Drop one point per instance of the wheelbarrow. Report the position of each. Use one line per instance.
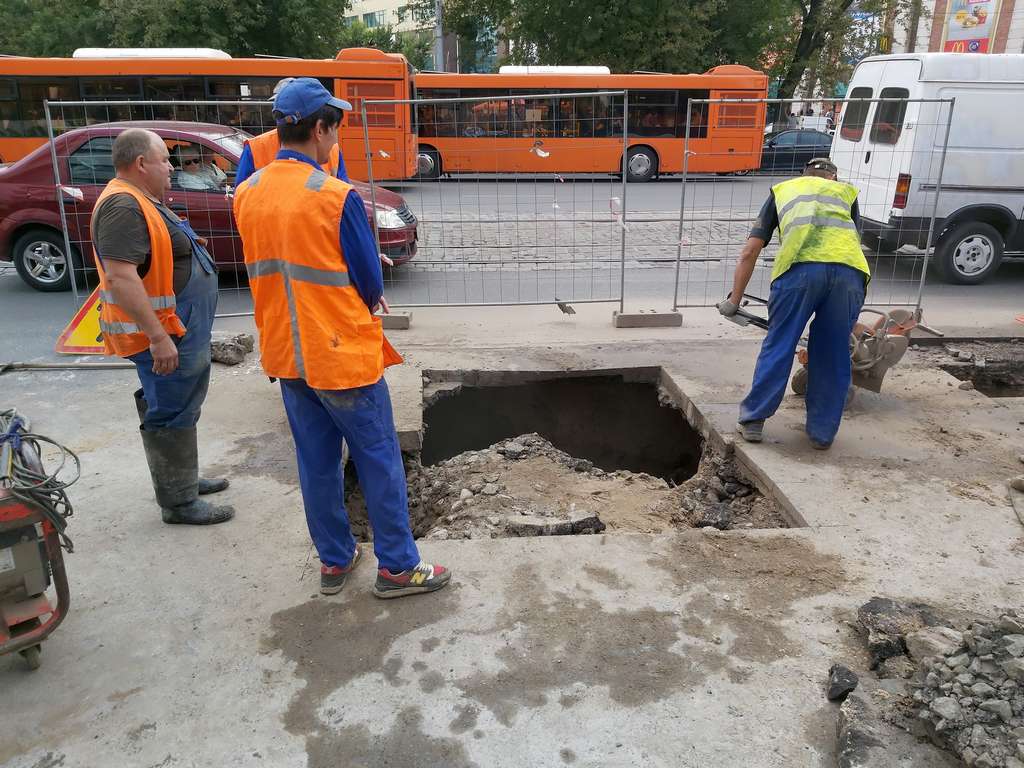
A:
(874, 347)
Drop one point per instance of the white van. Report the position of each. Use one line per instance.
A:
(891, 151)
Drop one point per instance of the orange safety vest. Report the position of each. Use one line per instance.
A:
(121, 334)
(265, 147)
(312, 321)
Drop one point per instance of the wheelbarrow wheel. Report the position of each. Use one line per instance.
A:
(799, 382)
(31, 656)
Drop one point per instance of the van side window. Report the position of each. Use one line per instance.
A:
(855, 116)
(888, 123)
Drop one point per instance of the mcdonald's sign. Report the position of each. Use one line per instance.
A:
(970, 25)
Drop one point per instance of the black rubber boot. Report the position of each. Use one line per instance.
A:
(173, 458)
(206, 485)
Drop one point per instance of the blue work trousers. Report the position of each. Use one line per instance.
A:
(176, 399)
(319, 420)
(834, 295)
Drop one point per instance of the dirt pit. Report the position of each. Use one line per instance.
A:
(995, 368)
(509, 453)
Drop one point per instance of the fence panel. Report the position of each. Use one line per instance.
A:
(518, 201)
(891, 149)
(204, 140)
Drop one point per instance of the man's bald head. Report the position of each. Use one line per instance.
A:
(141, 158)
(133, 144)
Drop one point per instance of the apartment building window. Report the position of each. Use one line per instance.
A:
(375, 19)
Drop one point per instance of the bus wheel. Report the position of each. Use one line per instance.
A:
(428, 163)
(641, 164)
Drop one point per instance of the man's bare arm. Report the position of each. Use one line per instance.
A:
(745, 268)
(130, 294)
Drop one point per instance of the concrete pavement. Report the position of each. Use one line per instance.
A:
(193, 647)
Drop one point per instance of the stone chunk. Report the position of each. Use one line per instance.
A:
(899, 667)
(947, 708)
(717, 515)
(998, 707)
(933, 641)
(841, 681)
(528, 525)
(1014, 668)
(887, 621)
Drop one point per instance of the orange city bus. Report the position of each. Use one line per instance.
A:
(208, 75)
(504, 132)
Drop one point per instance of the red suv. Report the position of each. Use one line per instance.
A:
(30, 222)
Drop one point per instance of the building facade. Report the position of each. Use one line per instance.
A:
(962, 26)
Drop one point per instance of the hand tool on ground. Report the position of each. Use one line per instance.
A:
(34, 508)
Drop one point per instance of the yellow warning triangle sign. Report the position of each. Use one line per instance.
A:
(83, 335)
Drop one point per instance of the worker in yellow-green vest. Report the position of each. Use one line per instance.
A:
(819, 271)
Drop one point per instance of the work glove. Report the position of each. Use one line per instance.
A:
(727, 308)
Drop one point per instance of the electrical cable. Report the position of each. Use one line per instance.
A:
(23, 474)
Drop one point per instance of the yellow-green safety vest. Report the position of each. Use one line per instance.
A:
(816, 224)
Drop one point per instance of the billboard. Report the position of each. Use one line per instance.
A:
(970, 26)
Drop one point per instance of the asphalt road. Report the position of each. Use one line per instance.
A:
(537, 253)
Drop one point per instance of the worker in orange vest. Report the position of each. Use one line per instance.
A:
(260, 151)
(316, 280)
(158, 292)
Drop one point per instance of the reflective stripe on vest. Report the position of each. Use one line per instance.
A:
(313, 324)
(816, 224)
(156, 302)
(115, 327)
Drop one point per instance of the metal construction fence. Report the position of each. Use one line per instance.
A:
(512, 208)
(521, 199)
(891, 149)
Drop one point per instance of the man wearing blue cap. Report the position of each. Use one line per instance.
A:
(316, 281)
(261, 150)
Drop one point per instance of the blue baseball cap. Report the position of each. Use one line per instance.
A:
(303, 97)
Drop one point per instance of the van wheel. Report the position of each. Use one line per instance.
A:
(428, 163)
(641, 164)
(969, 253)
(40, 258)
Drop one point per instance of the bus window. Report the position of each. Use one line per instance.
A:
(174, 89)
(485, 117)
(652, 113)
(737, 115)
(698, 114)
(888, 123)
(855, 116)
(437, 119)
(111, 89)
(532, 117)
(8, 107)
(31, 115)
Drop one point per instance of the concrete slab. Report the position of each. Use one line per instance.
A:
(199, 647)
(396, 321)
(649, 319)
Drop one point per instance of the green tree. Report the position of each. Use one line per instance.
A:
(415, 45)
(53, 28)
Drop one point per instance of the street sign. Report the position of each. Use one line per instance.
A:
(83, 335)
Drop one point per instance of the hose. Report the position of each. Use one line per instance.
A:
(22, 472)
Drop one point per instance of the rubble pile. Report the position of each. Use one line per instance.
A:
(972, 692)
(960, 689)
(525, 486)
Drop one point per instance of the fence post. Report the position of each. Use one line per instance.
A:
(935, 207)
(59, 191)
(369, 173)
(682, 204)
(625, 182)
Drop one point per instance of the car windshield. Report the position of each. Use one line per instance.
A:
(233, 143)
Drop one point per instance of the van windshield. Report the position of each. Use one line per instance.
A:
(888, 123)
(855, 115)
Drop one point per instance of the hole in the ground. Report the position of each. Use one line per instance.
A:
(614, 421)
(513, 453)
(996, 378)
